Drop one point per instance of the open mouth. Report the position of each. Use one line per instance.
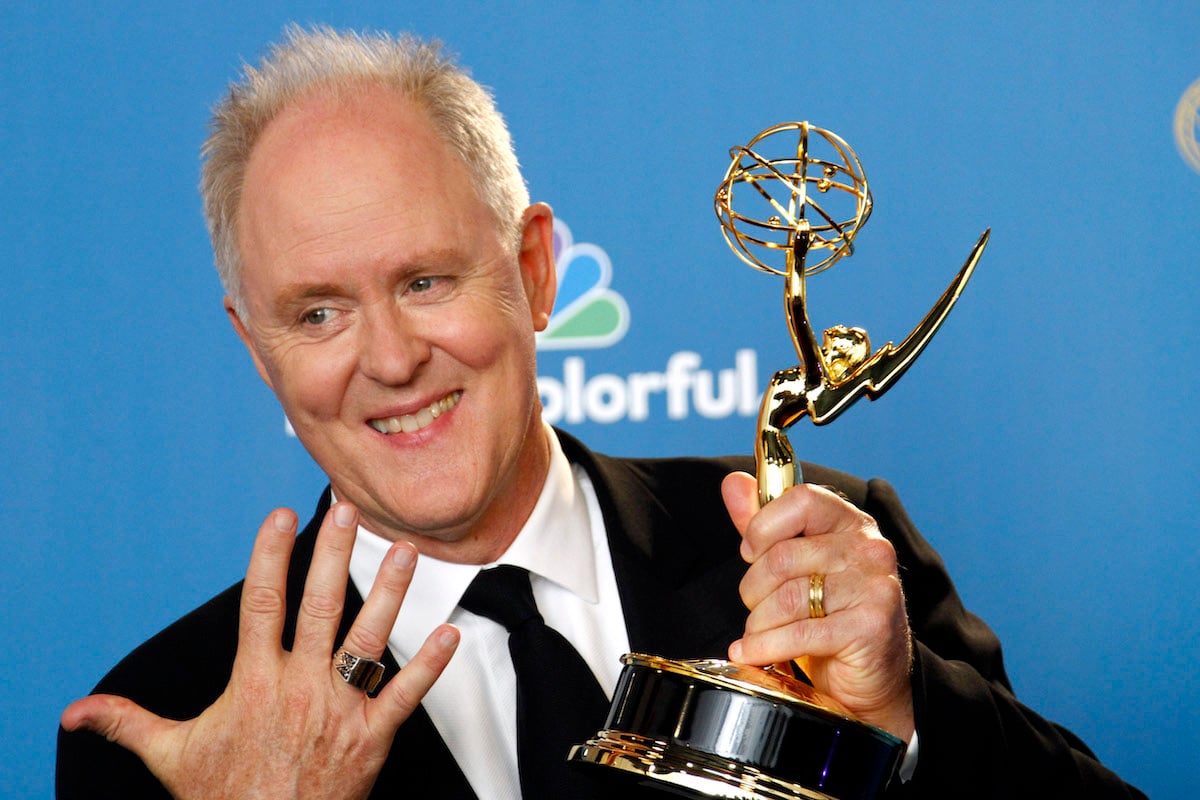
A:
(410, 423)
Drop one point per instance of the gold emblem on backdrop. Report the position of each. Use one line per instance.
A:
(1187, 126)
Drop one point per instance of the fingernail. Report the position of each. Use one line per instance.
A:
(403, 557)
(343, 515)
(735, 651)
(283, 521)
(448, 637)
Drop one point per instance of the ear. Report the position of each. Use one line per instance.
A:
(240, 328)
(536, 259)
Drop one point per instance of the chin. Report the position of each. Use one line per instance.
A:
(433, 526)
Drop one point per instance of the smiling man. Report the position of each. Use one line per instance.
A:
(387, 274)
(393, 313)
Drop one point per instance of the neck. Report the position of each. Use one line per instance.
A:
(485, 538)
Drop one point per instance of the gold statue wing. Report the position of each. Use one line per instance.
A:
(885, 366)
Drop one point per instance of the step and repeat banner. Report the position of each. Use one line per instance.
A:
(1045, 441)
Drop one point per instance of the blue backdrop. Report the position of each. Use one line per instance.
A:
(1045, 441)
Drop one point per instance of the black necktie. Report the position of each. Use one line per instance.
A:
(559, 701)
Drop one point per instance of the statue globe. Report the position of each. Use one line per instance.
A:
(791, 176)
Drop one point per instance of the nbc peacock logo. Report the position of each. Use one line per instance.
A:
(587, 313)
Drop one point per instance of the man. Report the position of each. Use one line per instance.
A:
(387, 273)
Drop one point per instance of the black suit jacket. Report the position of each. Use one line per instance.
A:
(675, 555)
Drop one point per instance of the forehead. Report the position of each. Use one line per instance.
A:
(353, 178)
(327, 142)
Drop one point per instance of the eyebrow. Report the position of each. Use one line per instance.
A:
(295, 295)
(298, 293)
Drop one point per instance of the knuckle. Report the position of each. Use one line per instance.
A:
(878, 554)
(113, 728)
(779, 561)
(365, 642)
(263, 600)
(408, 696)
(792, 597)
(811, 636)
(885, 606)
(882, 590)
(404, 696)
(321, 606)
(389, 579)
(746, 589)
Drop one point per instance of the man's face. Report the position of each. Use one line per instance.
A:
(394, 319)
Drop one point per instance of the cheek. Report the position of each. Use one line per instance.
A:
(311, 384)
(490, 335)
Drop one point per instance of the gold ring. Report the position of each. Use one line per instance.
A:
(816, 595)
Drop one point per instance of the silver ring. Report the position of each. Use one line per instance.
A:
(359, 672)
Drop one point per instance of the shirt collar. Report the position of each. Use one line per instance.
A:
(555, 543)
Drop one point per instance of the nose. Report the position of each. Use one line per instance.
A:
(392, 347)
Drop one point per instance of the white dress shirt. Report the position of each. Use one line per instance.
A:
(473, 704)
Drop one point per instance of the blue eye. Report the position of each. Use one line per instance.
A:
(421, 285)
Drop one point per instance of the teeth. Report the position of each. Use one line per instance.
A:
(410, 423)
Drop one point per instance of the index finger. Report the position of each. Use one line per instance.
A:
(264, 592)
(803, 510)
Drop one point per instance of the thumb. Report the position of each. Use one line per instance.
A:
(740, 492)
(119, 720)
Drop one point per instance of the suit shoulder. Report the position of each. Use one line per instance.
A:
(181, 670)
(679, 473)
(697, 478)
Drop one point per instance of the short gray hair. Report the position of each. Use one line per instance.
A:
(462, 111)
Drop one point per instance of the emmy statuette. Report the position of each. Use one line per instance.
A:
(714, 728)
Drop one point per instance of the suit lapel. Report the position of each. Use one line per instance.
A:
(677, 567)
